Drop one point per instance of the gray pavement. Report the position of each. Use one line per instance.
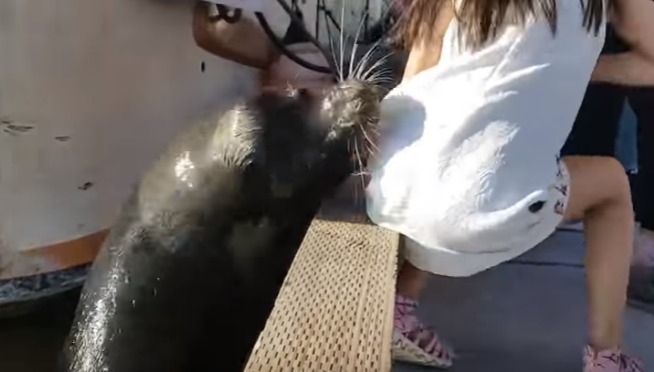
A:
(524, 316)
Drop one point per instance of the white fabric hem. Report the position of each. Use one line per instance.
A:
(447, 262)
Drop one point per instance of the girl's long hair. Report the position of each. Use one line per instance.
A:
(481, 20)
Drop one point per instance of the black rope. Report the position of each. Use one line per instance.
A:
(282, 48)
(296, 32)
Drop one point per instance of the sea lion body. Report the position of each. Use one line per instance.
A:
(189, 274)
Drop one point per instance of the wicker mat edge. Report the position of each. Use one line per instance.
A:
(335, 309)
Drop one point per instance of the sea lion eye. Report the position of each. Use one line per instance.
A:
(303, 94)
(294, 92)
(298, 94)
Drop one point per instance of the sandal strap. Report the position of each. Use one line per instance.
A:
(612, 357)
(427, 339)
(406, 302)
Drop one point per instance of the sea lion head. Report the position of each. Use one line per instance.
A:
(314, 138)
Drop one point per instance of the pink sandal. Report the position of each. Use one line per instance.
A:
(610, 361)
(413, 342)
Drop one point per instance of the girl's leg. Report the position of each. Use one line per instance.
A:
(414, 342)
(411, 281)
(600, 196)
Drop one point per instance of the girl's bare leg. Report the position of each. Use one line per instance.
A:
(411, 281)
(413, 341)
(600, 195)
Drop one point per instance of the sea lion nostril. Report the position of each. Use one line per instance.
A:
(537, 206)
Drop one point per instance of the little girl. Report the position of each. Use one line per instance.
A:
(469, 170)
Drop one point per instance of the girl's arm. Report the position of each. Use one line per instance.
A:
(630, 68)
(633, 21)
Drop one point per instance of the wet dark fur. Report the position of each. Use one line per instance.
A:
(189, 274)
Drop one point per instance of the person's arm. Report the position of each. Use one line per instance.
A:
(630, 68)
(243, 42)
(633, 21)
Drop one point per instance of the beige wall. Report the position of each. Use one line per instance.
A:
(90, 91)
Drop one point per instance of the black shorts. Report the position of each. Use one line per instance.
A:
(596, 128)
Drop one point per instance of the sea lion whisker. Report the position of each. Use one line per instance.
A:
(374, 131)
(364, 60)
(362, 170)
(362, 68)
(385, 73)
(381, 84)
(358, 157)
(379, 80)
(371, 152)
(332, 48)
(356, 44)
(375, 66)
(378, 62)
(374, 121)
(368, 139)
(342, 36)
(383, 79)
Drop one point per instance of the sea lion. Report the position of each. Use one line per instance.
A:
(189, 273)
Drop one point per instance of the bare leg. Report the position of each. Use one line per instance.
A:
(411, 281)
(413, 341)
(600, 196)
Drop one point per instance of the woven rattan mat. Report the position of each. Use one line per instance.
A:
(335, 309)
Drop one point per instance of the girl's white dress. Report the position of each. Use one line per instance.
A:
(468, 168)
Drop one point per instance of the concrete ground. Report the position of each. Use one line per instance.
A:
(525, 316)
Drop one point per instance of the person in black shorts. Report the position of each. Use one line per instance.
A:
(641, 289)
(594, 133)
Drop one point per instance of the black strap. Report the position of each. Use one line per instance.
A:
(296, 32)
(227, 14)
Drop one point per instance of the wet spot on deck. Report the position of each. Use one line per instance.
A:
(62, 138)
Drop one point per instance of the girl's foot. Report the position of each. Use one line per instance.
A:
(610, 361)
(413, 342)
